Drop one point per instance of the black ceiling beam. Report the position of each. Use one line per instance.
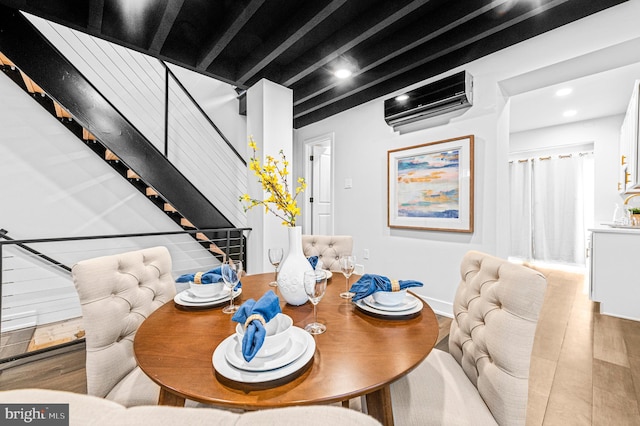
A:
(16, 4)
(349, 37)
(514, 31)
(447, 19)
(304, 21)
(376, 33)
(220, 41)
(414, 59)
(94, 20)
(61, 18)
(169, 16)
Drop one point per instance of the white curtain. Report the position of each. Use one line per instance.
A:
(551, 208)
(520, 209)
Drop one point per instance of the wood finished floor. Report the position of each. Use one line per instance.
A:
(585, 367)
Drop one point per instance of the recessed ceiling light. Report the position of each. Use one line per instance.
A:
(401, 98)
(570, 113)
(342, 73)
(564, 91)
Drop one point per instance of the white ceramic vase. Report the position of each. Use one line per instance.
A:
(292, 270)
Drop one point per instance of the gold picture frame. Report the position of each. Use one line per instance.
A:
(430, 186)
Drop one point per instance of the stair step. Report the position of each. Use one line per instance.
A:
(150, 192)
(110, 156)
(132, 175)
(32, 87)
(201, 236)
(5, 61)
(87, 136)
(61, 112)
(169, 208)
(215, 249)
(186, 223)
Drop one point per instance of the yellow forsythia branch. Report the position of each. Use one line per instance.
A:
(273, 176)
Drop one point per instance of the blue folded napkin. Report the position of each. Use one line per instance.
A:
(370, 283)
(268, 306)
(313, 260)
(212, 276)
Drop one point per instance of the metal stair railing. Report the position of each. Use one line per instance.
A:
(234, 238)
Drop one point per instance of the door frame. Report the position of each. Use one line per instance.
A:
(309, 143)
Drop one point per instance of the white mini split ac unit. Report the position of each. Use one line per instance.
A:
(430, 105)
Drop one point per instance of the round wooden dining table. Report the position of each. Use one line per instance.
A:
(359, 354)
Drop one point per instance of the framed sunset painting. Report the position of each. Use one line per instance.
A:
(430, 186)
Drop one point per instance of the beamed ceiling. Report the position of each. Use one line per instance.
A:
(298, 43)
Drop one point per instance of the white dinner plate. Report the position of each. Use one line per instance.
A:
(408, 302)
(379, 312)
(188, 296)
(225, 369)
(293, 350)
(179, 300)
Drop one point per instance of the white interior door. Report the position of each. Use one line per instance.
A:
(319, 202)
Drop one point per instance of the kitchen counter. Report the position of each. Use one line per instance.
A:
(616, 229)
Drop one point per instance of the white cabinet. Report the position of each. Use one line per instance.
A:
(615, 271)
(629, 176)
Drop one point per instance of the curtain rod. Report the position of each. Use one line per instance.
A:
(561, 156)
(579, 146)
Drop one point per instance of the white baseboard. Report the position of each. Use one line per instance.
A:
(440, 307)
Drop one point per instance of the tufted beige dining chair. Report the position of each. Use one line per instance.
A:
(483, 380)
(117, 293)
(328, 248)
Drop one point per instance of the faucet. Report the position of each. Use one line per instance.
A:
(633, 218)
(626, 200)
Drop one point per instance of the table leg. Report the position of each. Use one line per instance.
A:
(379, 405)
(168, 398)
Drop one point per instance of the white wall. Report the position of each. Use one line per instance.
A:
(52, 185)
(219, 101)
(269, 122)
(362, 140)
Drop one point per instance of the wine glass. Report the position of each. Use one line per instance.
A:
(231, 272)
(315, 284)
(275, 257)
(347, 265)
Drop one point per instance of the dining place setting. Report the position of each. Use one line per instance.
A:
(266, 346)
(382, 297)
(378, 295)
(212, 288)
